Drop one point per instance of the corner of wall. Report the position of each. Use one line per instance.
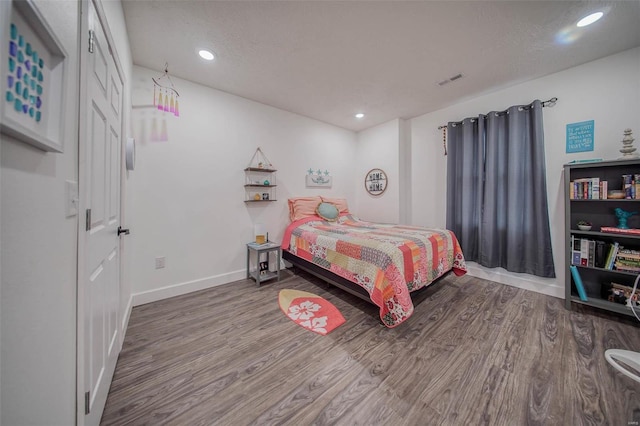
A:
(404, 138)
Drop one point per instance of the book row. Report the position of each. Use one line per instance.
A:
(600, 254)
(593, 188)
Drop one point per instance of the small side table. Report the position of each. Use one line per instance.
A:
(259, 275)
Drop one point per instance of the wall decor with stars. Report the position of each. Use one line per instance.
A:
(318, 178)
(33, 69)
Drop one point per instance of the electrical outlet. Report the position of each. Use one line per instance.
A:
(160, 262)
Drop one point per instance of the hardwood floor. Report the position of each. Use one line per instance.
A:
(474, 352)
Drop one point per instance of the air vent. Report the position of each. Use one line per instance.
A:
(450, 79)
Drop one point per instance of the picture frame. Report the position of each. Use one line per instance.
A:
(34, 76)
(319, 181)
(375, 182)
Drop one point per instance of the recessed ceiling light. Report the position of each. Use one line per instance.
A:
(588, 20)
(359, 115)
(206, 54)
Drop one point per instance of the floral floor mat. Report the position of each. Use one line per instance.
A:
(310, 311)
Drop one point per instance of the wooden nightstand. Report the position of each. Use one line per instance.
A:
(261, 273)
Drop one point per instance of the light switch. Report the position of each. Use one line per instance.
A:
(71, 192)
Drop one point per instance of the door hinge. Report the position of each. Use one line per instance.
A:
(86, 403)
(91, 40)
(88, 220)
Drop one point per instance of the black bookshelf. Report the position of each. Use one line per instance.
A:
(600, 213)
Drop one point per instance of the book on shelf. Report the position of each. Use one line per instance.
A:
(577, 280)
(584, 252)
(591, 253)
(575, 250)
(613, 252)
(604, 189)
(614, 230)
(601, 254)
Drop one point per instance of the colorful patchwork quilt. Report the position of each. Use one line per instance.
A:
(389, 261)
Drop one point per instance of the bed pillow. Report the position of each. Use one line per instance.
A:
(302, 207)
(328, 211)
(340, 203)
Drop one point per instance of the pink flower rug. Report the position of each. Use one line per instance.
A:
(310, 311)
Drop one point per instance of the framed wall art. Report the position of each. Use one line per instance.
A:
(34, 67)
(375, 182)
(318, 179)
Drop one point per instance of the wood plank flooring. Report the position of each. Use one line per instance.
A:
(473, 353)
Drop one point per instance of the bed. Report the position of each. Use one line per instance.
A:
(386, 262)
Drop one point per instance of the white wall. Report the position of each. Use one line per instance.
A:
(187, 194)
(606, 90)
(38, 257)
(379, 147)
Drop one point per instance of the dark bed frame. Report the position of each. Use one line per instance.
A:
(327, 276)
(339, 281)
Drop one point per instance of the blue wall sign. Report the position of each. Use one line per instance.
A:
(580, 136)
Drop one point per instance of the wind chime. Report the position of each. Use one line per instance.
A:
(165, 96)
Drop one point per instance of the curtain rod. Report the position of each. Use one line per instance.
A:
(550, 102)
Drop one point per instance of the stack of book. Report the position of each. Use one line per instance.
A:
(631, 186)
(620, 293)
(628, 260)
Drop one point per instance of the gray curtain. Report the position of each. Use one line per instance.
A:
(496, 190)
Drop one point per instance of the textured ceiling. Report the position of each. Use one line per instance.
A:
(329, 60)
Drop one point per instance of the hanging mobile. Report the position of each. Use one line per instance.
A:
(167, 99)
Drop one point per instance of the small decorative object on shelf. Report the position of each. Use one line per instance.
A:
(622, 216)
(583, 225)
(628, 150)
(264, 268)
(616, 194)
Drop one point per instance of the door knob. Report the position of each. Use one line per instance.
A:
(122, 230)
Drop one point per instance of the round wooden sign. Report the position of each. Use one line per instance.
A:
(375, 182)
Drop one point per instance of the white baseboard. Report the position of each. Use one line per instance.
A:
(548, 286)
(186, 287)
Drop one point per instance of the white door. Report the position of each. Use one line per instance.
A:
(100, 139)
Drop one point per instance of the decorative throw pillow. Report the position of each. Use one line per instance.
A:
(302, 207)
(340, 203)
(328, 211)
